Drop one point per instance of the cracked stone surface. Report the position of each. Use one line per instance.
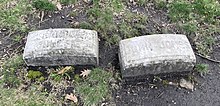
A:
(62, 46)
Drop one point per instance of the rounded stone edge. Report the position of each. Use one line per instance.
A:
(45, 30)
(122, 65)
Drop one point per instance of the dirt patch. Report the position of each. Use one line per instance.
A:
(205, 94)
(150, 92)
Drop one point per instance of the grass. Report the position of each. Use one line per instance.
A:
(44, 5)
(12, 15)
(94, 88)
(10, 68)
(197, 18)
(114, 22)
(202, 69)
(15, 97)
(111, 25)
(142, 2)
(66, 2)
(17, 38)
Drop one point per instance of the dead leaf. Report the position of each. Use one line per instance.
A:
(59, 6)
(71, 97)
(67, 68)
(186, 84)
(85, 73)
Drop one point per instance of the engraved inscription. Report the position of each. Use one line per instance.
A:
(140, 50)
(70, 46)
(155, 54)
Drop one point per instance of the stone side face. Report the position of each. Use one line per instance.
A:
(53, 47)
(155, 54)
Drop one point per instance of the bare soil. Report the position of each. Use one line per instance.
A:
(148, 93)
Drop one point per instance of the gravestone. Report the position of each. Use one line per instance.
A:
(155, 54)
(52, 47)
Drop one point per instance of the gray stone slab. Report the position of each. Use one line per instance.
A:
(155, 54)
(53, 47)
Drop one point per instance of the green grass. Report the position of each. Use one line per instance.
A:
(197, 18)
(161, 4)
(113, 22)
(14, 97)
(12, 17)
(94, 88)
(205, 46)
(102, 18)
(44, 5)
(142, 2)
(17, 38)
(66, 2)
(10, 68)
(202, 69)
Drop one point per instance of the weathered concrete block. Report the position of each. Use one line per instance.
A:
(53, 47)
(155, 54)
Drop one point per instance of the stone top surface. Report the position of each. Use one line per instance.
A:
(62, 39)
(61, 42)
(155, 49)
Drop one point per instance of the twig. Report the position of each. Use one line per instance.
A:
(158, 96)
(42, 16)
(212, 60)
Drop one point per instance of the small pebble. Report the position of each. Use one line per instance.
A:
(88, 1)
(76, 23)
(49, 16)
(62, 17)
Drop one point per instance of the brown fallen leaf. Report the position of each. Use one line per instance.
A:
(67, 68)
(186, 84)
(85, 73)
(71, 97)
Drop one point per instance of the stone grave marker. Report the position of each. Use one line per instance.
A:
(52, 47)
(155, 54)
